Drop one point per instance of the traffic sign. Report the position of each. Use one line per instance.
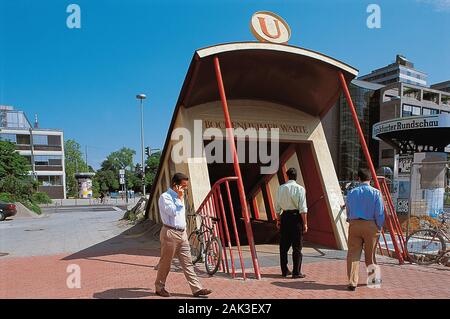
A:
(122, 181)
(121, 172)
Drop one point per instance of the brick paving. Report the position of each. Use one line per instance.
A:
(131, 275)
(117, 261)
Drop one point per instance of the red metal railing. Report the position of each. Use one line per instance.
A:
(392, 223)
(213, 206)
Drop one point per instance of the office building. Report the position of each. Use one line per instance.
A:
(43, 148)
(340, 130)
(401, 71)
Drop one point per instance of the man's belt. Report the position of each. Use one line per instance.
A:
(174, 228)
(292, 211)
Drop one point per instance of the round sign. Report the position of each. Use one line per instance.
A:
(269, 27)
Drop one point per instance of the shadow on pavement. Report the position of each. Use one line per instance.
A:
(139, 240)
(308, 285)
(125, 293)
(136, 293)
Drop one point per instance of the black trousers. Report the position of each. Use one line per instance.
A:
(291, 231)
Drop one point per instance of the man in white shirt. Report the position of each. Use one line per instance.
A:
(174, 240)
(293, 223)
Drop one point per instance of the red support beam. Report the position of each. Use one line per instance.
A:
(224, 221)
(368, 159)
(236, 234)
(270, 200)
(237, 170)
(255, 208)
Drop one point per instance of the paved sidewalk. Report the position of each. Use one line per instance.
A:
(117, 260)
(131, 275)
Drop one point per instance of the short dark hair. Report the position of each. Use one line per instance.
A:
(292, 174)
(178, 178)
(364, 174)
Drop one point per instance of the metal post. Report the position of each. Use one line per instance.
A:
(142, 146)
(367, 154)
(87, 166)
(33, 165)
(237, 170)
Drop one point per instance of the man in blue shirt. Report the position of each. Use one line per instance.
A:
(365, 213)
(174, 240)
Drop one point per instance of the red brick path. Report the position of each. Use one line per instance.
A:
(132, 276)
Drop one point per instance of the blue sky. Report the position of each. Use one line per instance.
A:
(84, 81)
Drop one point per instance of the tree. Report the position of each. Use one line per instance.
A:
(14, 177)
(121, 159)
(11, 162)
(107, 178)
(74, 163)
(151, 168)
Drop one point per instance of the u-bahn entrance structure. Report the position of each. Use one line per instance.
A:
(260, 85)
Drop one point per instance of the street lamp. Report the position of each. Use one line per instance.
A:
(142, 97)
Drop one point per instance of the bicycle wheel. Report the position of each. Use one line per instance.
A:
(213, 255)
(425, 246)
(196, 243)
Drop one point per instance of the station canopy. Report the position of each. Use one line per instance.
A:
(283, 74)
(416, 133)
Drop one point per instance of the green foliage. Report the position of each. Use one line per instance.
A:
(14, 178)
(7, 198)
(41, 198)
(32, 206)
(121, 159)
(15, 183)
(11, 162)
(107, 178)
(152, 165)
(74, 163)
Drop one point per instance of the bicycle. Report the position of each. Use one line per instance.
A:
(205, 245)
(427, 246)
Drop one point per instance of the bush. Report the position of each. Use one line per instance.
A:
(40, 198)
(20, 188)
(30, 205)
(7, 197)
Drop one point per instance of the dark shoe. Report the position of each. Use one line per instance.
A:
(351, 288)
(202, 292)
(163, 293)
(301, 276)
(286, 274)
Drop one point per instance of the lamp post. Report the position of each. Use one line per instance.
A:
(142, 97)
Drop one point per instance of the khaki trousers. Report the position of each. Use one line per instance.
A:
(175, 244)
(361, 234)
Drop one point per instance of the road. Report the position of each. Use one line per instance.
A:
(62, 230)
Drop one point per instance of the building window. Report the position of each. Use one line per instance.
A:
(427, 111)
(13, 119)
(8, 137)
(410, 110)
(50, 180)
(23, 139)
(388, 153)
(44, 160)
(40, 139)
(445, 112)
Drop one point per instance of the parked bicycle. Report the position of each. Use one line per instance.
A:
(428, 245)
(205, 246)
